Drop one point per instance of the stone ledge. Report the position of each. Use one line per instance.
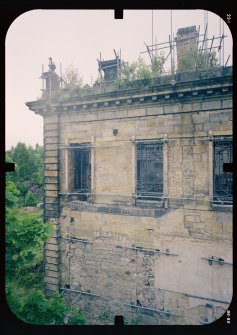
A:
(143, 210)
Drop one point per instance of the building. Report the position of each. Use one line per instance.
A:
(138, 185)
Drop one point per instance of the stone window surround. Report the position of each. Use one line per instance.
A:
(165, 169)
(134, 166)
(211, 157)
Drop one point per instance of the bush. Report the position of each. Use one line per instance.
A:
(30, 199)
(25, 236)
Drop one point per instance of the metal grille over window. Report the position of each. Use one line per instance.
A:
(149, 170)
(222, 181)
(82, 171)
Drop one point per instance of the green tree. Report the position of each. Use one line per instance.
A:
(26, 233)
(72, 78)
(76, 317)
(28, 174)
(137, 70)
(25, 160)
(25, 236)
(191, 59)
(30, 199)
(11, 194)
(157, 65)
(139, 73)
(39, 310)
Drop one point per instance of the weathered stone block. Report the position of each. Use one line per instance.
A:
(198, 149)
(186, 119)
(91, 117)
(77, 118)
(51, 193)
(186, 141)
(52, 267)
(152, 122)
(227, 103)
(50, 119)
(192, 218)
(199, 127)
(51, 214)
(51, 173)
(196, 106)
(224, 217)
(154, 110)
(50, 127)
(105, 115)
(51, 133)
(170, 109)
(50, 153)
(51, 287)
(136, 112)
(51, 187)
(51, 252)
(53, 247)
(187, 108)
(50, 167)
(121, 113)
(210, 105)
(220, 116)
(200, 117)
(49, 200)
(50, 280)
(51, 140)
(51, 274)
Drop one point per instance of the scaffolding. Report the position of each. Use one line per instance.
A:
(202, 43)
(111, 68)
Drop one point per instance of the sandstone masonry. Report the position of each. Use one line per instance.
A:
(162, 261)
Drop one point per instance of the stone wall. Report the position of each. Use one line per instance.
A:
(152, 262)
(190, 229)
(148, 261)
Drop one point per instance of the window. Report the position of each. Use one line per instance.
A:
(149, 156)
(222, 180)
(82, 170)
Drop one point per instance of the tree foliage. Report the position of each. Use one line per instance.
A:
(28, 174)
(11, 195)
(139, 73)
(72, 78)
(25, 236)
(191, 59)
(157, 64)
(26, 233)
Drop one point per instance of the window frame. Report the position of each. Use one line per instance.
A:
(82, 149)
(219, 203)
(156, 196)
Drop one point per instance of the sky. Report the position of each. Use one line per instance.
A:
(77, 37)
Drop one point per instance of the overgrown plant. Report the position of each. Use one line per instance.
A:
(26, 233)
(134, 320)
(105, 315)
(139, 73)
(27, 177)
(193, 58)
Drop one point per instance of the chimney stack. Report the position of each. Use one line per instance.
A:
(186, 39)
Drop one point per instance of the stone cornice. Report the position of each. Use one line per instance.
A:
(166, 91)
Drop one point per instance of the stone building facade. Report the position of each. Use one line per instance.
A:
(138, 189)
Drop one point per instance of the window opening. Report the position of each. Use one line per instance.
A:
(82, 171)
(149, 170)
(222, 179)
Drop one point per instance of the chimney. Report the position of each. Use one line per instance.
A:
(52, 80)
(186, 39)
(111, 69)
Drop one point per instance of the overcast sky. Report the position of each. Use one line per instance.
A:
(77, 37)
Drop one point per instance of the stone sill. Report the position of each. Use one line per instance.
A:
(222, 208)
